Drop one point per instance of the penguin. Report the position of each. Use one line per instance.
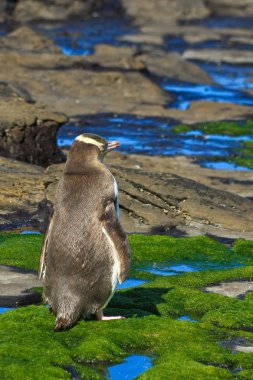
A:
(85, 251)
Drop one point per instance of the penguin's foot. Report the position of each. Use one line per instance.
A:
(99, 316)
(61, 324)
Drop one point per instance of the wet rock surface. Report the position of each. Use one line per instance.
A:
(219, 56)
(22, 195)
(28, 132)
(151, 200)
(76, 69)
(28, 10)
(16, 285)
(238, 344)
(232, 289)
(89, 67)
(25, 39)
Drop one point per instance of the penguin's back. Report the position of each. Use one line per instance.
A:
(81, 260)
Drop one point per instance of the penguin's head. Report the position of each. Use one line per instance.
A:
(97, 141)
(85, 152)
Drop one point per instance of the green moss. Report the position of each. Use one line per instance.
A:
(243, 156)
(20, 250)
(182, 350)
(230, 128)
(244, 248)
(181, 128)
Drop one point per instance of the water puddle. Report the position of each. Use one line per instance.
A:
(223, 22)
(165, 269)
(5, 28)
(4, 309)
(152, 136)
(80, 37)
(238, 344)
(136, 134)
(224, 166)
(30, 232)
(130, 283)
(185, 318)
(233, 77)
(130, 368)
(185, 93)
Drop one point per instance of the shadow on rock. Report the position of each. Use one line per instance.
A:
(137, 302)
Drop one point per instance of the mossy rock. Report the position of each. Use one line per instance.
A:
(180, 350)
(229, 128)
(241, 156)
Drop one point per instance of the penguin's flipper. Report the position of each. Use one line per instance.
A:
(118, 239)
(116, 201)
(43, 255)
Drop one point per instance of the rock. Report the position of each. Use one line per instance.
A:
(16, 285)
(54, 10)
(236, 181)
(14, 90)
(201, 111)
(165, 11)
(198, 35)
(3, 13)
(220, 56)
(172, 65)
(71, 84)
(244, 40)
(157, 63)
(93, 92)
(115, 57)
(142, 38)
(22, 199)
(238, 344)
(229, 8)
(25, 39)
(232, 289)
(167, 203)
(28, 132)
(151, 201)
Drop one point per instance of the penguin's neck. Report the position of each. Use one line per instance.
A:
(83, 159)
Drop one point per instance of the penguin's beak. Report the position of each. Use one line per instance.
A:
(112, 145)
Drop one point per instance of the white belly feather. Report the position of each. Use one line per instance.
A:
(115, 268)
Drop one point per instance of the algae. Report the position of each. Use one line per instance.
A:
(243, 156)
(229, 128)
(181, 349)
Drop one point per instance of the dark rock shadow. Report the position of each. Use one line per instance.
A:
(168, 229)
(137, 302)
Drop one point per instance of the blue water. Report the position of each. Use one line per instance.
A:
(150, 136)
(30, 232)
(3, 309)
(224, 22)
(130, 283)
(80, 37)
(184, 93)
(224, 166)
(232, 77)
(230, 85)
(179, 45)
(165, 269)
(153, 135)
(185, 318)
(130, 368)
